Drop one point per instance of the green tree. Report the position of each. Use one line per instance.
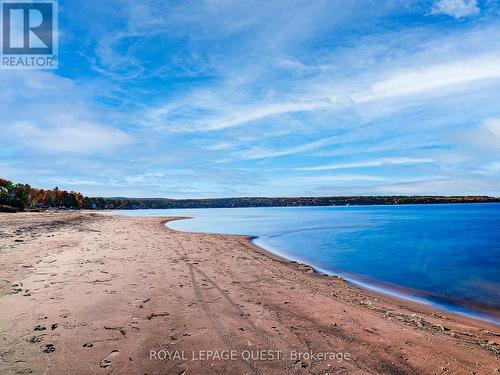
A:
(20, 196)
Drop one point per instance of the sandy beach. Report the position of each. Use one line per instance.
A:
(86, 293)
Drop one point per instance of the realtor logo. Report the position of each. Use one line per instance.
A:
(29, 34)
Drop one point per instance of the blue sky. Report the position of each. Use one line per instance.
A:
(251, 98)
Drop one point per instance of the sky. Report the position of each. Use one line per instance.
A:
(221, 98)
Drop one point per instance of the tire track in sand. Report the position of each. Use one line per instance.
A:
(226, 335)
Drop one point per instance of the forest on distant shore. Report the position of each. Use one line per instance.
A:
(22, 197)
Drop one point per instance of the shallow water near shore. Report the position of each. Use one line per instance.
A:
(446, 256)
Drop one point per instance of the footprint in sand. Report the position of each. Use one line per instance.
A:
(106, 362)
(49, 348)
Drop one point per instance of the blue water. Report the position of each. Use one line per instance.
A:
(447, 256)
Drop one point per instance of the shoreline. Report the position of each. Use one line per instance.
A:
(90, 293)
(420, 298)
(312, 271)
(368, 287)
(469, 309)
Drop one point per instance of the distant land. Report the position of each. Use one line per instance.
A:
(159, 203)
(21, 197)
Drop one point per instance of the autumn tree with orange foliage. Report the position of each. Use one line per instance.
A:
(20, 197)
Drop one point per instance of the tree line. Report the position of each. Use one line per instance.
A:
(19, 197)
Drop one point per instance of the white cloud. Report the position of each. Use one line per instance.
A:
(456, 8)
(484, 138)
(368, 163)
(431, 77)
(260, 153)
(49, 114)
(492, 126)
(220, 146)
(69, 136)
(252, 114)
(328, 179)
(492, 167)
(227, 116)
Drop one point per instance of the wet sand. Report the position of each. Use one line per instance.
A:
(83, 293)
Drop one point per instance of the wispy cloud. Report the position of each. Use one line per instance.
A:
(368, 163)
(434, 77)
(484, 137)
(213, 114)
(230, 118)
(329, 179)
(492, 167)
(456, 8)
(260, 153)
